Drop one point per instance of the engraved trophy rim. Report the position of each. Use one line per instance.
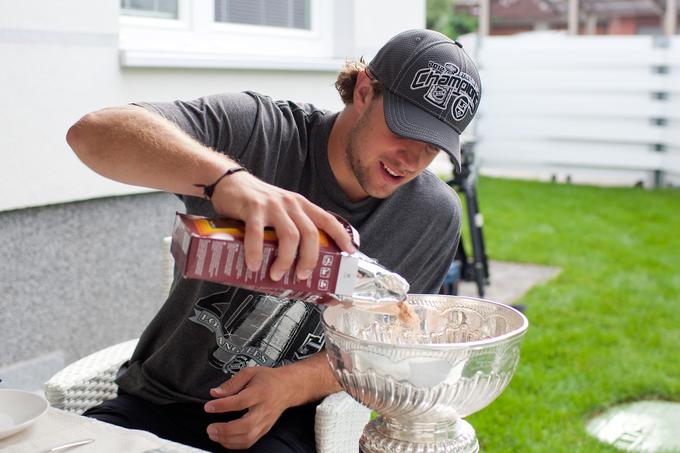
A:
(420, 300)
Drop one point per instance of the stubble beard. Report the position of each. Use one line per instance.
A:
(353, 156)
(353, 151)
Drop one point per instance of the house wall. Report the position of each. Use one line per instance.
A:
(81, 255)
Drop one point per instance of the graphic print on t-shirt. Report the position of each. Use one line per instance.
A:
(254, 329)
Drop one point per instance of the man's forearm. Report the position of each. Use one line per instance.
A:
(131, 145)
(310, 379)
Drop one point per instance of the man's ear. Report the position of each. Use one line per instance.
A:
(363, 91)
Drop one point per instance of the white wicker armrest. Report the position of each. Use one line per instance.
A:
(340, 420)
(88, 381)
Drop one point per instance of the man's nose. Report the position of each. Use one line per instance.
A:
(410, 157)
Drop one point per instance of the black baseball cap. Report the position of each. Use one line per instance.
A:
(432, 88)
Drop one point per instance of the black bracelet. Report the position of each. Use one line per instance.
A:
(209, 189)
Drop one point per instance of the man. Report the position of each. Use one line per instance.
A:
(250, 379)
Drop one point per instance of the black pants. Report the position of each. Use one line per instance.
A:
(186, 423)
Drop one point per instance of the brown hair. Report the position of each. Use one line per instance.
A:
(347, 79)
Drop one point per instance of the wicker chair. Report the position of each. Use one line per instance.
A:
(89, 381)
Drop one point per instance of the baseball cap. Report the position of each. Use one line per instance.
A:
(432, 88)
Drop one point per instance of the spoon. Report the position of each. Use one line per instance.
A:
(70, 445)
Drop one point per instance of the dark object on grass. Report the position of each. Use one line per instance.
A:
(474, 268)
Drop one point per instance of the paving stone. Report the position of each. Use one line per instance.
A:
(510, 281)
(642, 426)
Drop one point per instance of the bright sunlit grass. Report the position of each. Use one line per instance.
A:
(606, 330)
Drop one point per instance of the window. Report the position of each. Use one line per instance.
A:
(159, 9)
(271, 13)
(273, 34)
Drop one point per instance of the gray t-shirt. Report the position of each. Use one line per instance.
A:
(206, 332)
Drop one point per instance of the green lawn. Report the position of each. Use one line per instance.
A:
(606, 330)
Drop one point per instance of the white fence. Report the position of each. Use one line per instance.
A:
(596, 109)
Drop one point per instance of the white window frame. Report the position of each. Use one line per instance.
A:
(181, 22)
(195, 40)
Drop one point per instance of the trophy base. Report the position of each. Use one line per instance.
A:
(388, 436)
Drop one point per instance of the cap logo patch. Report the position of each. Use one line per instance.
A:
(447, 86)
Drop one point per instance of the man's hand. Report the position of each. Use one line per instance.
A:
(261, 392)
(295, 219)
(265, 393)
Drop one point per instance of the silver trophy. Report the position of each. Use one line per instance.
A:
(425, 374)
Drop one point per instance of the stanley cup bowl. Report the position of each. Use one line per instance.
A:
(423, 378)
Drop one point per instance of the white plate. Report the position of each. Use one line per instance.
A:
(18, 410)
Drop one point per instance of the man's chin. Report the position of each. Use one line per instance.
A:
(382, 193)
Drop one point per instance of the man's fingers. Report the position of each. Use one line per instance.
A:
(233, 385)
(239, 402)
(289, 238)
(308, 251)
(230, 435)
(297, 222)
(253, 240)
(332, 226)
(241, 433)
